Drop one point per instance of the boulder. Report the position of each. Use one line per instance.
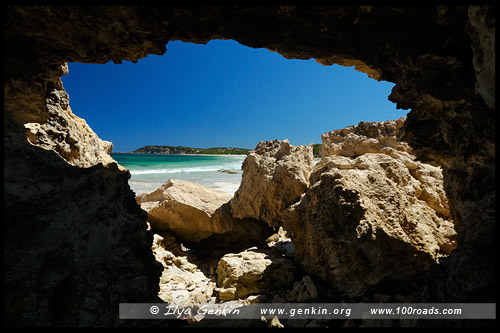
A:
(197, 214)
(184, 208)
(275, 175)
(376, 219)
(253, 271)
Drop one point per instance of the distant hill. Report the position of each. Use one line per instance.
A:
(179, 150)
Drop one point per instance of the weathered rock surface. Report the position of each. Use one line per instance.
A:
(195, 213)
(49, 122)
(182, 283)
(66, 264)
(253, 271)
(275, 175)
(371, 219)
(253, 276)
(185, 208)
(483, 37)
(366, 137)
(68, 134)
(238, 234)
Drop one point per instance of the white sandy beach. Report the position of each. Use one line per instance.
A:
(149, 171)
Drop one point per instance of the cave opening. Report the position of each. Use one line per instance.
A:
(219, 94)
(223, 94)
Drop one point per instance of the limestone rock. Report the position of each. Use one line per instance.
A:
(274, 322)
(75, 142)
(253, 272)
(371, 219)
(184, 208)
(182, 283)
(195, 213)
(366, 137)
(71, 264)
(275, 175)
(57, 128)
(483, 45)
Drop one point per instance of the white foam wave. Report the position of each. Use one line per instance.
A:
(176, 170)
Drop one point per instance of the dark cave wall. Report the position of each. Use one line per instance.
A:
(440, 57)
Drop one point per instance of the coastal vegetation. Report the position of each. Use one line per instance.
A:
(189, 150)
(316, 147)
(215, 151)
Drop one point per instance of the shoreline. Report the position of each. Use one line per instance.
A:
(149, 171)
(236, 155)
(222, 179)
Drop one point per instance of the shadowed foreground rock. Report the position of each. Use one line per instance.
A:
(70, 268)
(253, 271)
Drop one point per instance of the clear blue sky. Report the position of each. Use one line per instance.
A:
(222, 94)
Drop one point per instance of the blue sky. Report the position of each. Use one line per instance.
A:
(222, 94)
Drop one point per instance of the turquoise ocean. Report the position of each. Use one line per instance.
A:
(149, 171)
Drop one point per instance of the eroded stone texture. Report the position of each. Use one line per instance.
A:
(185, 208)
(303, 291)
(379, 217)
(253, 271)
(195, 213)
(275, 175)
(373, 213)
(73, 249)
(365, 137)
(69, 136)
(182, 283)
(49, 122)
(482, 21)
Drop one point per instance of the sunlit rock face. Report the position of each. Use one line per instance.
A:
(275, 174)
(184, 208)
(441, 59)
(195, 214)
(365, 137)
(374, 215)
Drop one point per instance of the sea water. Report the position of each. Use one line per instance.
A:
(149, 171)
